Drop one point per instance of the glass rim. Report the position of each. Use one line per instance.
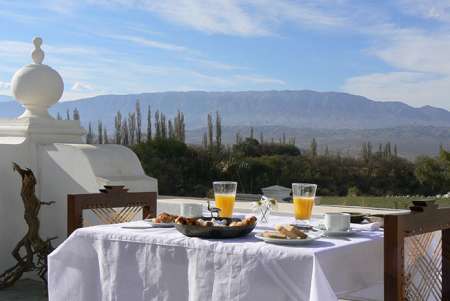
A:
(224, 182)
(304, 184)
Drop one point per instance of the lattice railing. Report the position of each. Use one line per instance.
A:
(417, 254)
(423, 266)
(112, 205)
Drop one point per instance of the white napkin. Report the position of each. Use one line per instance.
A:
(366, 227)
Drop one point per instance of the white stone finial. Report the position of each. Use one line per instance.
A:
(37, 54)
(37, 86)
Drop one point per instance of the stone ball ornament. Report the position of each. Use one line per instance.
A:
(37, 86)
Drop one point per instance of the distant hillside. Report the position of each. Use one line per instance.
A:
(411, 140)
(341, 121)
(297, 109)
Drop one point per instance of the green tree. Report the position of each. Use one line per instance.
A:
(90, 135)
(210, 132)
(138, 122)
(157, 125)
(149, 123)
(313, 148)
(118, 127)
(99, 132)
(105, 136)
(218, 132)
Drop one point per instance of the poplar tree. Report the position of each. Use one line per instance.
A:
(90, 135)
(210, 131)
(313, 148)
(182, 128)
(157, 126)
(171, 130)
(149, 123)
(132, 127)
(163, 126)
(100, 132)
(138, 122)
(125, 133)
(118, 127)
(205, 140)
(105, 136)
(218, 131)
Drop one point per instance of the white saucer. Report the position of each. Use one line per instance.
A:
(340, 233)
(280, 241)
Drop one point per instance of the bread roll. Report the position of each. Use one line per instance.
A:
(293, 229)
(273, 234)
(284, 231)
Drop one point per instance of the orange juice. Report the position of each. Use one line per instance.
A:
(225, 202)
(303, 207)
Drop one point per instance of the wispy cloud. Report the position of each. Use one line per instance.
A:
(230, 17)
(428, 9)
(148, 42)
(419, 58)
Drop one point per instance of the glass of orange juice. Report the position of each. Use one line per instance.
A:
(224, 196)
(303, 199)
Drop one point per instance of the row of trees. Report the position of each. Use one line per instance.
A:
(183, 169)
(189, 170)
(128, 130)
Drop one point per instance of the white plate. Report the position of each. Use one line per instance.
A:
(340, 233)
(159, 225)
(280, 241)
(136, 227)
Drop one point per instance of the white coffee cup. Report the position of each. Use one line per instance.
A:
(337, 222)
(191, 210)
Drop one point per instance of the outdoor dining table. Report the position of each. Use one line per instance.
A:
(110, 262)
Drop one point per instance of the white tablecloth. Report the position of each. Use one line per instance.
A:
(110, 263)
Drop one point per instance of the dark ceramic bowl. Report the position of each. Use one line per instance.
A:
(356, 217)
(215, 232)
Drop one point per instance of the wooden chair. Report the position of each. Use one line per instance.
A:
(104, 206)
(417, 253)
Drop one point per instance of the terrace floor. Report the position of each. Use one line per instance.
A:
(24, 290)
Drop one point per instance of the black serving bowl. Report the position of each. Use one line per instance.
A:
(356, 217)
(216, 232)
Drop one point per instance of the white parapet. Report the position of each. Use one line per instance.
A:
(56, 152)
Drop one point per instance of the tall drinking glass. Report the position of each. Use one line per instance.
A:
(224, 196)
(303, 199)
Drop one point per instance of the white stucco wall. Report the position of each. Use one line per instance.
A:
(12, 225)
(81, 168)
(60, 169)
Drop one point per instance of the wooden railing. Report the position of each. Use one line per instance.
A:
(114, 204)
(417, 253)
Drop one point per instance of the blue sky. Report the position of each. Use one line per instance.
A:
(385, 50)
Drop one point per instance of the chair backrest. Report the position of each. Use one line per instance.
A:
(114, 204)
(417, 253)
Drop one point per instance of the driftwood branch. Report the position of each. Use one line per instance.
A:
(35, 248)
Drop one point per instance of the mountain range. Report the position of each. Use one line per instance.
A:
(339, 118)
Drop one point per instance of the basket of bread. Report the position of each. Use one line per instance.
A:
(215, 227)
